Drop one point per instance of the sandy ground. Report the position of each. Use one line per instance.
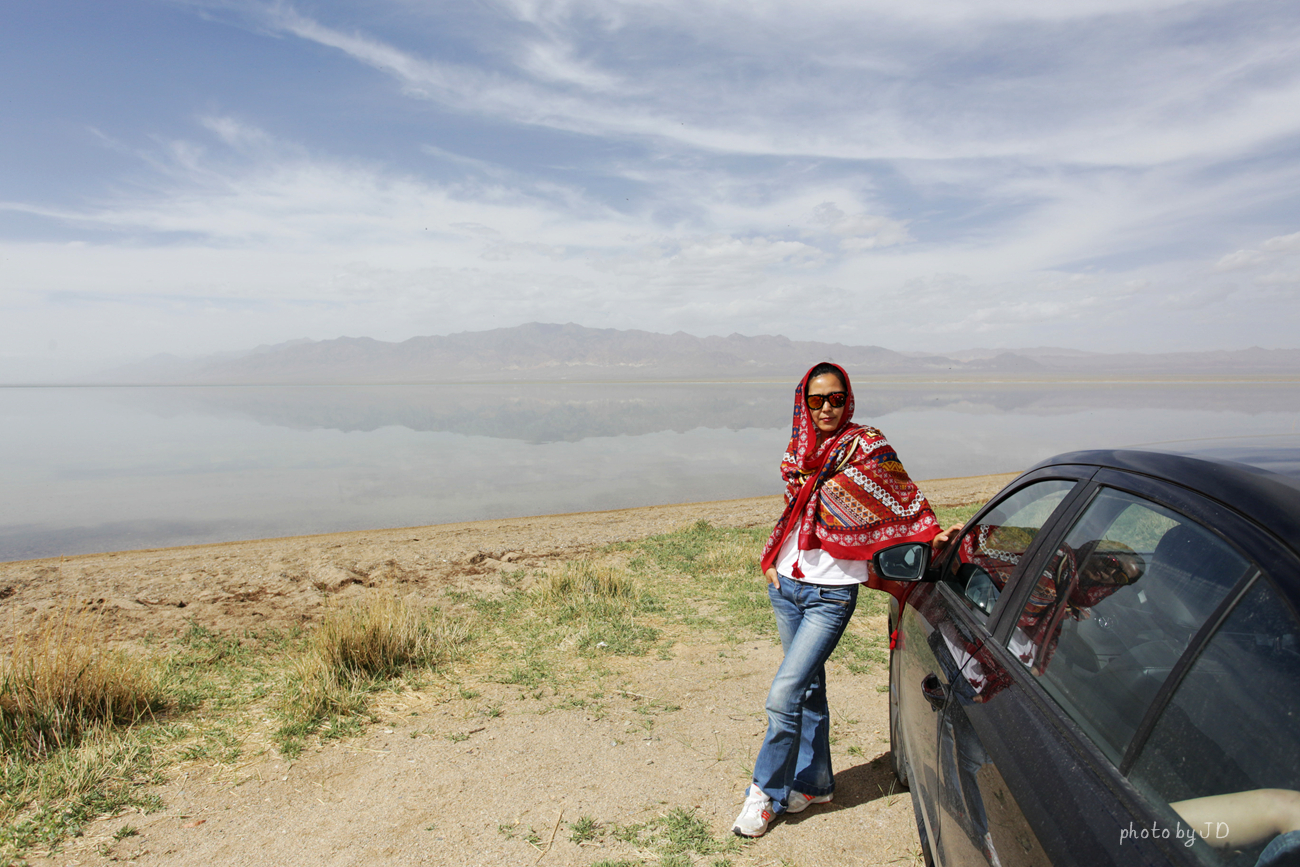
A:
(410, 790)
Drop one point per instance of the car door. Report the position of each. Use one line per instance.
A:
(1221, 763)
(944, 625)
(1075, 681)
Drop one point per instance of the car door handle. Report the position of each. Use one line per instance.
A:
(934, 692)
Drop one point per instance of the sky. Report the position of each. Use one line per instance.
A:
(191, 177)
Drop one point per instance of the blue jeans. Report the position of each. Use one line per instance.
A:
(796, 752)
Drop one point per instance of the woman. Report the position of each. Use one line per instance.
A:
(847, 496)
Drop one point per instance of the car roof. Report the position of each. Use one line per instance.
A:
(1256, 476)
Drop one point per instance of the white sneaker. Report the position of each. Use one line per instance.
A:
(990, 852)
(800, 802)
(755, 815)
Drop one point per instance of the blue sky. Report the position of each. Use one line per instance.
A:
(192, 177)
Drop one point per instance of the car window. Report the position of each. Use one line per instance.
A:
(1225, 752)
(1114, 609)
(990, 550)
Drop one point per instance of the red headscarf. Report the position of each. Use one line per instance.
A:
(849, 496)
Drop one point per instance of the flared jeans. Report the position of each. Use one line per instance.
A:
(796, 752)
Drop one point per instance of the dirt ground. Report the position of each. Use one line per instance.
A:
(445, 779)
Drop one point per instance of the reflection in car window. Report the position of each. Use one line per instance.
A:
(1224, 752)
(1116, 606)
(991, 549)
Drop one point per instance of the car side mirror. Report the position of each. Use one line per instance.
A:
(906, 562)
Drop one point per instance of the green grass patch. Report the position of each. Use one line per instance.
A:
(711, 578)
(584, 830)
(677, 834)
(355, 652)
(862, 653)
(949, 515)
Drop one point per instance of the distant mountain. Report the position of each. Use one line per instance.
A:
(1241, 362)
(542, 352)
(168, 368)
(1028, 352)
(526, 352)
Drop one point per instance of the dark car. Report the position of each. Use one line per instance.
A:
(1104, 668)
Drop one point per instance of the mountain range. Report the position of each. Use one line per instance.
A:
(547, 352)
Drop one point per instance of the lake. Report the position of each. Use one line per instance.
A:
(101, 469)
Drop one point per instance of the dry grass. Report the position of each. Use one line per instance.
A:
(59, 681)
(381, 638)
(357, 650)
(64, 700)
(584, 581)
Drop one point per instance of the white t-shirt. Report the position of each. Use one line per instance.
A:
(817, 566)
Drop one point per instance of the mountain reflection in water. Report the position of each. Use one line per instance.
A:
(93, 469)
(545, 413)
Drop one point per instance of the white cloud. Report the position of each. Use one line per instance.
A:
(859, 232)
(1268, 266)
(1279, 278)
(1240, 260)
(1199, 298)
(241, 136)
(1107, 83)
(287, 200)
(556, 64)
(1283, 244)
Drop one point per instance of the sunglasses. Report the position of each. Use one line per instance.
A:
(1113, 570)
(836, 399)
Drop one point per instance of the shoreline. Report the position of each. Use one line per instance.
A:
(291, 581)
(955, 491)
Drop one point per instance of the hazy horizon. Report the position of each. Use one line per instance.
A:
(547, 352)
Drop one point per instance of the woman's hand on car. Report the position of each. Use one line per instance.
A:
(939, 542)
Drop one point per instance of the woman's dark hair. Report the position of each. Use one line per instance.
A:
(823, 368)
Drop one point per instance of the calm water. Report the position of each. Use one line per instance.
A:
(100, 469)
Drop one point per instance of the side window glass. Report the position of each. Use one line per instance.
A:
(1114, 609)
(1224, 753)
(990, 550)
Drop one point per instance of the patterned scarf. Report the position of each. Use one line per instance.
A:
(849, 496)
